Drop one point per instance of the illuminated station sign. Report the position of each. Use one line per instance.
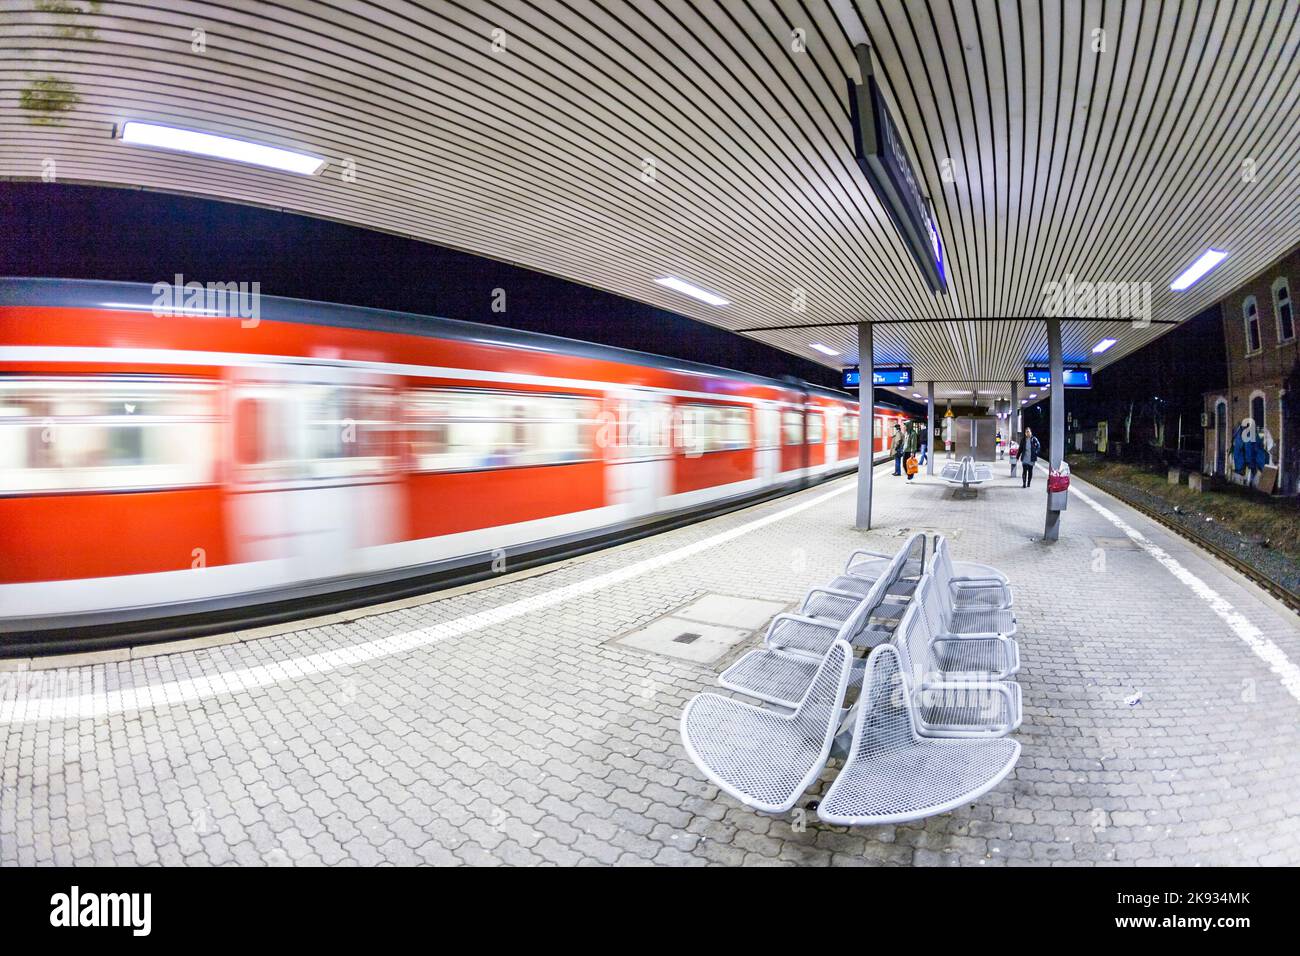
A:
(1038, 376)
(895, 375)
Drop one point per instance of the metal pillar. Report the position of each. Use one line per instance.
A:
(1052, 529)
(1013, 424)
(929, 429)
(866, 423)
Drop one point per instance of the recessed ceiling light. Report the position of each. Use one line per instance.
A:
(1207, 261)
(823, 349)
(1033, 394)
(220, 147)
(694, 291)
(916, 394)
(1102, 346)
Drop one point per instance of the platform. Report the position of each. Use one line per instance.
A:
(534, 718)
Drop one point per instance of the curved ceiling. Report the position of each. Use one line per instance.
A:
(615, 143)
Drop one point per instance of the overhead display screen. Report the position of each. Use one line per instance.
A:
(898, 375)
(1041, 377)
(878, 148)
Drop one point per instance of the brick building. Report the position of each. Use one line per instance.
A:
(1263, 391)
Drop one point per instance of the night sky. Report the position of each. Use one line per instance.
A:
(88, 232)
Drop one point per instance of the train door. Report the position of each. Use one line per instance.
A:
(314, 471)
(832, 435)
(767, 444)
(638, 456)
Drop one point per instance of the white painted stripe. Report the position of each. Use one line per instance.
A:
(173, 357)
(1251, 636)
(103, 703)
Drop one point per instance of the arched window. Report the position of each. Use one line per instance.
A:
(1257, 411)
(1250, 313)
(1283, 309)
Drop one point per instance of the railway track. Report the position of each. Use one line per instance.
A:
(1280, 591)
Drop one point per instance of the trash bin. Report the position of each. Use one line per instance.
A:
(1058, 487)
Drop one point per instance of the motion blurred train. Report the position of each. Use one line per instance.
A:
(170, 465)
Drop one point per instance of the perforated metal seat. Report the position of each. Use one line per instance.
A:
(764, 759)
(975, 658)
(774, 676)
(969, 710)
(975, 592)
(892, 774)
(947, 621)
(959, 685)
(827, 604)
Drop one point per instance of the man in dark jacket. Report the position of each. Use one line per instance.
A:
(1028, 454)
(897, 446)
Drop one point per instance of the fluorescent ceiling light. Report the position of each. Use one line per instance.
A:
(916, 394)
(220, 147)
(1102, 346)
(1033, 394)
(695, 292)
(1208, 260)
(823, 349)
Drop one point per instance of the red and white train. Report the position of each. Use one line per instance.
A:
(181, 466)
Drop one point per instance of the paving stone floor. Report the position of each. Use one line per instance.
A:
(1153, 733)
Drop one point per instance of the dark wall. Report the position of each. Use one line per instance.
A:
(89, 232)
(1158, 382)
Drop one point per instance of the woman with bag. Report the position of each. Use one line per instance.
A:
(1028, 454)
(911, 465)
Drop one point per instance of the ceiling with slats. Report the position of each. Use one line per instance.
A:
(614, 143)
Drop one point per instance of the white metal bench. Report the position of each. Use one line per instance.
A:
(763, 758)
(778, 672)
(966, 473)
(962, 694)
(971, 656)
(968, 591)
(892, 774)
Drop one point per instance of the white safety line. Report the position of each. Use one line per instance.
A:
(169, 693)
(1251, 636)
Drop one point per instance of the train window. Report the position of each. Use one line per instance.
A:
(815, 428)
(877, 425)
(636, 429)
(462, 431)
(849, 427)
(347, 430)
(792, 427)
(106, 434)
(708, 428)
(302, 431)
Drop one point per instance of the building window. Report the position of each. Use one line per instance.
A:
(1257, 412)
(1250, 313)
(1283, 309)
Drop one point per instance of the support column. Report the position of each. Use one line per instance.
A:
(1013, 424)
(866, 423)
(929, 428)
(1052, 529)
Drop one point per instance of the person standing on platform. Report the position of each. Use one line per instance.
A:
(909, 450)
(923, 439)
(896, 446)
(1028, 454)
